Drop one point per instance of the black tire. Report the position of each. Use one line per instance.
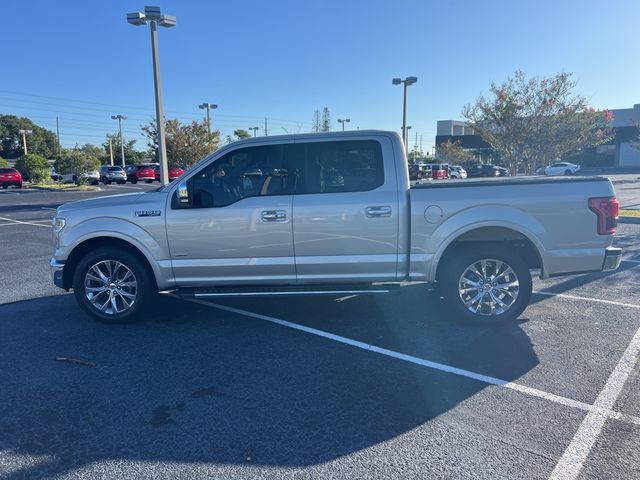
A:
(457, 265)
(134, 180)
(5, 187)
(568, 172)
(144, 293)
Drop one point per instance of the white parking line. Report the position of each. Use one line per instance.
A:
(534, 392)
(18, 222)
(575, 455)
(588, 299)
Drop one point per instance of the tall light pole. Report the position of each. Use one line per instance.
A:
(120, 118)
(24, 134)
(153, 17)
(255, 129)
(208, 106)
(406, 82)
(343, 121)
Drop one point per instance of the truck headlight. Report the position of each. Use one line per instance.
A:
(58, 224)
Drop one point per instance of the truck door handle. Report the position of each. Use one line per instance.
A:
(378, 212)
(274, 216)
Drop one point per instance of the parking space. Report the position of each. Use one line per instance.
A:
(353, 386)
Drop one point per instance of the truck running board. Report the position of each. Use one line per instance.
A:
(262, 291)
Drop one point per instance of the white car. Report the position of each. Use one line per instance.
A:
(562, 168)
(89, 177)
(457, 171)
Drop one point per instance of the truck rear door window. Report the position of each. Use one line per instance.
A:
(340, 166)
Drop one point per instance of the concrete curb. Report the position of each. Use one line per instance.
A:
(635, 220)
(47, 189)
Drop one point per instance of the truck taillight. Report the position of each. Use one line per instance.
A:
(607, 210)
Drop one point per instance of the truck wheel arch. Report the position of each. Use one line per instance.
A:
(97, 242)
(507, 236)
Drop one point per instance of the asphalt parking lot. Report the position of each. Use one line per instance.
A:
(350, 387)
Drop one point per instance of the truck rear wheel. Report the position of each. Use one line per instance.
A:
(111, 285)
(486, 285)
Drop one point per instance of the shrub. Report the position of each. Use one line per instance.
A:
(76, 162)
(34, 167)
(3, 162)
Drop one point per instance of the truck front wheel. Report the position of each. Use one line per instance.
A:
(486, 285)
(111, 285)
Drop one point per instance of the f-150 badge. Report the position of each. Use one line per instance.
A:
(148, 213)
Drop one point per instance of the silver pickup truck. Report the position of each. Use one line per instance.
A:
(328, 214)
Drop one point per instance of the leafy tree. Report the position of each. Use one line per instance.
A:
(34, 167)
(537, 120)
(453, 154)
(40, 141)
(131, 155)
(240, 134)
(3, 162)
(317, 124)
(76, 162)
(186, 143)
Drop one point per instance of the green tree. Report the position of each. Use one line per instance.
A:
(538, 120)
(453, 154)
(3, 162)
(131, 155)
(316, 125)
(186, 143)
(34, 167)
(76, 162)
(326, 120)
(240, 134)
(40, 140)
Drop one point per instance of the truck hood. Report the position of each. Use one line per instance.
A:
(101, 202)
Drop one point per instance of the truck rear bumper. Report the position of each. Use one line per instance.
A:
(612, 258)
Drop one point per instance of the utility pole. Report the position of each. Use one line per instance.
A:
(208, 106)
(120, 118)
(343, 121)
(111, 150)
(415, 148)
(58, 134)
(255, 129)
(266, 131)
(24, 134)
(406, 82)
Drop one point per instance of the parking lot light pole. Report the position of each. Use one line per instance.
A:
(406, 82)
(208, 106)
(120, 118)
(343, 121)
(153, 17)
(255, 129)
(24, 134)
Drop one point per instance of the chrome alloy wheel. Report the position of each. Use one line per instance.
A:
(111, 287)
(488, 287)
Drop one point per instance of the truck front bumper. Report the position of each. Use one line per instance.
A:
(612, 258)
(57, 269)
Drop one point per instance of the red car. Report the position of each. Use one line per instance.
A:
(174, 172)
(10, 177)
(139, 173)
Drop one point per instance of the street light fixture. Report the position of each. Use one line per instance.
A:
(406, 82)
(208, 106)
(120, 118)
(24, 134)
(343, 121)
(154, 17)
(255, 129)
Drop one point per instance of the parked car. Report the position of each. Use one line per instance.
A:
(503, 172)
(10, 177)
(483, 170)
(229, 227)
(140, 173)
(418, 171)
(55, 176)
(438, 171)
(456, 171)
(110, 174)
(562, 168)
(88, 177)
(173, 172)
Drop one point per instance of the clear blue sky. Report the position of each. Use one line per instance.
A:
(284, 59)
